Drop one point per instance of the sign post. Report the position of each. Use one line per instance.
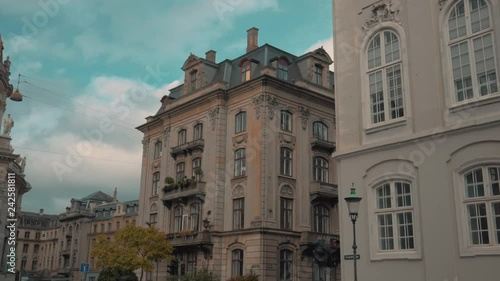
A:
(351, 257)
(84, 267)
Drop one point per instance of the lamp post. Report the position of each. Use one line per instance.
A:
(353, 201)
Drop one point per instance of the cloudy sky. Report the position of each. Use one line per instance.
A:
(93, 70)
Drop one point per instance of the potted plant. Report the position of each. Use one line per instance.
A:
(198, 172)
(169, 184)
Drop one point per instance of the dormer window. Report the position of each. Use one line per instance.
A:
(318, 74)
(245, 71)
(282, 69)
(194, 77)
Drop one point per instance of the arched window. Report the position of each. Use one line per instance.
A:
(482, 205)
(194, 216)
(385, 77)
(286, 265)
(320, 130)
(320, 169)
(237, 263)
(321, 222)
(240, 122)
(471, 44)
(245, 71)
(156, 183)
(178, 218)
(286, 120)
(286, 162)
(283, 69)
(198, 132)
(158, 149)
(181, 136)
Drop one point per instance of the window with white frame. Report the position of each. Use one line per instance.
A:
(320, 130)
(240, 122)
(240, 162)
(321, 221)
(286, 265)
(198, 132)
(385, 77)
(178, 218)
(482, 205)
(236, 263)
(156, 183)
(181, 137)
(286, 161)
(286, 120)
(320, 169)
(394, 216)
(238, 213)
(158, 149)
(471, 46)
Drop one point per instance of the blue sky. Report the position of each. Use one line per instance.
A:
(93, 70)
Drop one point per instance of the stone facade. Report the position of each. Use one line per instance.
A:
(232, 151)
(418, 134)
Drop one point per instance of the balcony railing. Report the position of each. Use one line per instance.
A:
(65, 252)
(323, 145)
(189, 239)
(187, 148)
(321, 190)
(195, 190)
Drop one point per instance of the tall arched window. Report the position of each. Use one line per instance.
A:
(196, 167)
(194, 216)
(286, 161)
(471, 45)
(320, 169)
(178, 218)
(156, 183)
(320, 130)
(237, 263)
(240, 162)
(385, 77)
(286, 265)
(180, 171)
(240, 122)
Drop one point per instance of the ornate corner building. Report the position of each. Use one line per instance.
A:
(419, 135)
(237, 168)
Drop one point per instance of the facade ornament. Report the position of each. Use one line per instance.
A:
(287, 181)
(381, 12)
(8, 123)
(240, 139)
(238, 192)
(263, 100)
(213, 115)
(166, 135)
(304, 115)
(286, 139)
(441, 3)
(21, 161)
(145, 145)
(287, 191)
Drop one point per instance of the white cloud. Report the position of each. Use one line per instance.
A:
(327, 44)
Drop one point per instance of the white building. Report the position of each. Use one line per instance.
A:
(418, 133)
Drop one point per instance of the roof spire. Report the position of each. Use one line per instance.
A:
(115, 194)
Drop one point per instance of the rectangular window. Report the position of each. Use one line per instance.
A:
(240, 162)
(283, 71)
(239, 213)
(25, 248)
(395, 88)
(386, 236)
(461, 71)
(485, 65)
(156, 183)
(286, 121)
(37, 235)
(198, 132)
(286, 213)
(286, 263)
(178, 219)
(181, 137)
(191, 262)
(194, 76)
(286, 162)
(158, 149)
(240, 122)
(245, 72)
(27, 235)
(180, 171)
(478, 221)
(237, 263)
(36, 249)
(377, 97)
(152, 218)
(318, 74)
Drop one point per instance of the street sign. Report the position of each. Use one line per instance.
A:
(351, 257)
(84, 267)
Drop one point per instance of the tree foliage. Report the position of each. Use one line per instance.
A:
(252, 276)
(117, 274)
(133, 247)
(200, 275)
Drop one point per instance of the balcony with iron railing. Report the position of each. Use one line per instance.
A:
(189, 238)
(320, 144)
(322, 190)
(187, 148)
(183, 192)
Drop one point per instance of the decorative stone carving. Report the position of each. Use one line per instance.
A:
(381, 12)
(441, 3)
(284, 180)
(8, 124)
(287, 139)
(304, 115)
(238, 192)
(286, 191)
(213, 115)
(238, 180)
(155, 165)
(21, 161)
(265, 100)
(166, 135)
(240, 139)
(154, 208)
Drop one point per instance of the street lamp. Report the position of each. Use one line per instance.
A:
(353, 201)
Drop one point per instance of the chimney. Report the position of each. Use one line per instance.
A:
(41, 211)
(210, 56)
(252, 39)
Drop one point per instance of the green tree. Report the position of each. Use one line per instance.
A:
(117, 274)
(252, 276)
(133, 247)
(203, 274)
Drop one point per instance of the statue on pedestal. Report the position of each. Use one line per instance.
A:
(22, 162)
(8, 123)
